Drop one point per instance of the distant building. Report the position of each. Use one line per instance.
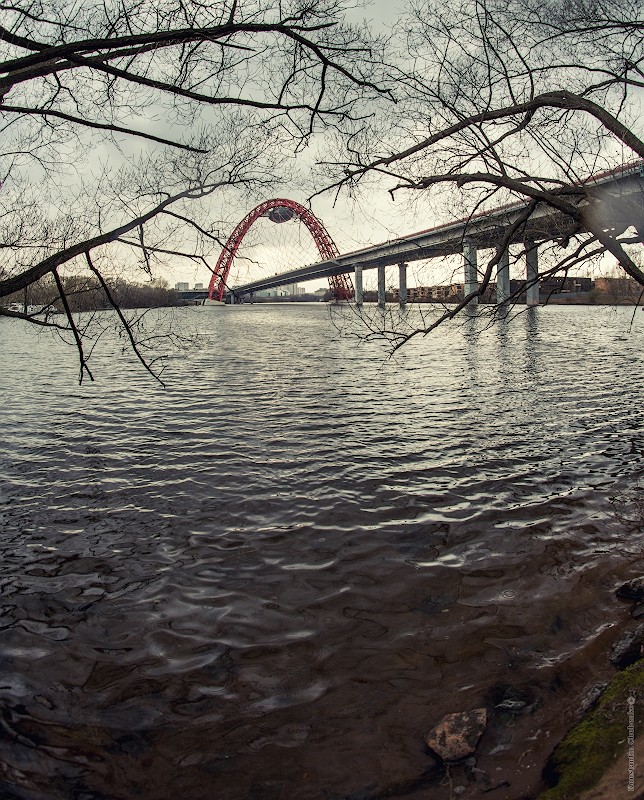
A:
(563, 285)
(447, 292)
(182, 287)
(417, 294)
(616, 289)
(556, 289)
(428, 294)
(291, 289)
(276, 291)
(199, 287)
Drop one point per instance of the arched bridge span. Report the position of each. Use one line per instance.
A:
(278, 210)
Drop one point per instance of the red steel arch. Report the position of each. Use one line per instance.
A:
(341, 285)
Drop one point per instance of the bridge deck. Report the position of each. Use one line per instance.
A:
(486, 229)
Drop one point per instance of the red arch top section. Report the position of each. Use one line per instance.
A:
(341, 285)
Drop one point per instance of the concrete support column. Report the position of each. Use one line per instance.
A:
(402, 284)
(359, 292)
(531, 273)
(381, 287)
(503, 277)
(470, 264)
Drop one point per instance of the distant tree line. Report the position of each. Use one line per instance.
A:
(84, 293)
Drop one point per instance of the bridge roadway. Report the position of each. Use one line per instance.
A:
(465, 236)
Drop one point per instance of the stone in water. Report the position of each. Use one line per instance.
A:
(456, 735)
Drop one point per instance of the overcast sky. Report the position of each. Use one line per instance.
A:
(354, 225)
(357, 224)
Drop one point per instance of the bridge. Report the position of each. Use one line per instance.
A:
(466, 237)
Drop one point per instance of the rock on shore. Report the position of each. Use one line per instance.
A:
(456, 735)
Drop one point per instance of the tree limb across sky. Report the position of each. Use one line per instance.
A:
(519, 101)
(114, 113)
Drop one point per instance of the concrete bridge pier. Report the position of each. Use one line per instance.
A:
(381, 286)
(470, 264)
(359, 291)
(402, 283)
(503, 276)
(531, 273)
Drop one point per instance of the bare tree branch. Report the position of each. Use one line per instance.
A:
(42, 112)
(124, 322)
(73, 327)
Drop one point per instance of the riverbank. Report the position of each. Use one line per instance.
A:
(591, 750)
(611, 786)
(602, 757)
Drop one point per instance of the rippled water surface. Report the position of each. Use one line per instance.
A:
(270, 579)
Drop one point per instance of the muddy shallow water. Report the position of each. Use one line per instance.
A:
(271, 578)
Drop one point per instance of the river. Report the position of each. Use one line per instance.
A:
(270, 579)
